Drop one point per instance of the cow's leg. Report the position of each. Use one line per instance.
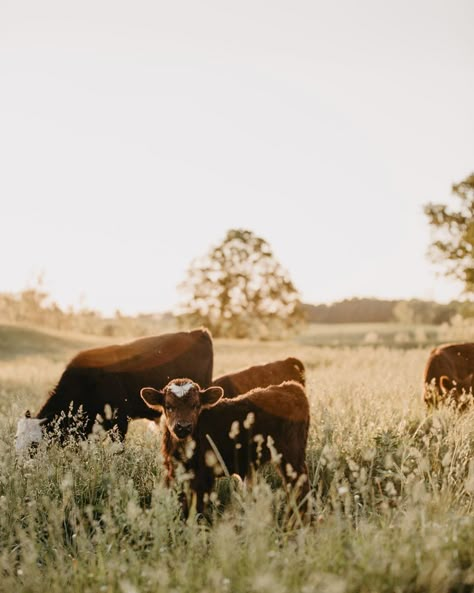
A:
(183, 501)
(201, 486)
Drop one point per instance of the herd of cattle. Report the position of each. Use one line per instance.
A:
(233, 423)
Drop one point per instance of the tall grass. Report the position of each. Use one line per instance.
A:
(392, 489)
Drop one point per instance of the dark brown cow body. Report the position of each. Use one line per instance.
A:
(263, 425)
(114, 375)
(273, 373)
(449, 374)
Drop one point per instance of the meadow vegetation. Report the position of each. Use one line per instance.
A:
(392, 488)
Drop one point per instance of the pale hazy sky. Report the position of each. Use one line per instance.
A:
(133, 135)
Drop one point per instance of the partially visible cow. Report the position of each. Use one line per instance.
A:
(449, 375)
(232, 435)
(107, 381)
(272, 373)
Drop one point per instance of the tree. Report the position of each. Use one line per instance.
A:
(239, 289)
(454, 228)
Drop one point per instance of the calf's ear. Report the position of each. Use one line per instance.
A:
(446, 384)
(152, 397)
(210, 396)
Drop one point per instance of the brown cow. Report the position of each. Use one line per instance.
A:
(107, 381)
(272, 373)
(449, 375)
(231, 435)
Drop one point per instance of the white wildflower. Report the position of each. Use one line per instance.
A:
(275, 456)
(234, 429)
(249, 421)
(210, 459)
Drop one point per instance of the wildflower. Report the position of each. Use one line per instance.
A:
(210, 459)
(67, 482)
(275, 456)
(108, 412)
(189, 448)
(258, 438)
(290, 472)
(127, 587)
(469, 483)
(234, 429)
(369, 454)
(249, 420)
(390, 488)
(353, 466)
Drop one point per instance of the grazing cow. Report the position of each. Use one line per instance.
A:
(231, 435)
(107, 381)
(449, 375)
(273, 373)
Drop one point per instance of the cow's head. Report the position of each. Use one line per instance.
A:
(181, 401)
(457, 389)
(28, 433)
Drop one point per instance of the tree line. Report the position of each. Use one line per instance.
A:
(33, 306)
(367, 310)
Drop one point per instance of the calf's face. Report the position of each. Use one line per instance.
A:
(181, 402)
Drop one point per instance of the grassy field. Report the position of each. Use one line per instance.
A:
(392, 489)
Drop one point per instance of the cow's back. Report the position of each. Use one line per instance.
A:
(115, 374)
(453, 360)
(273, 373)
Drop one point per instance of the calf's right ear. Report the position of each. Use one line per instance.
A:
(152, 397)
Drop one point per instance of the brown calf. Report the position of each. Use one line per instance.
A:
(111, 378)
(449, 375)
(273, 373)
(232, 435)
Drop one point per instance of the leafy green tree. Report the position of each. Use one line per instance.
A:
(239, 289)
(454, 231)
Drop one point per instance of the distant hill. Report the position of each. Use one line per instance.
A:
(16, 341)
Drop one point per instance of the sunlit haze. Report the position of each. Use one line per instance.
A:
(133, 135)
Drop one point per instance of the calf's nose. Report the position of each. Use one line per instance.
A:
(183, 428)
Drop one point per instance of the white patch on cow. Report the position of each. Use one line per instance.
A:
(181, 390)
(28, 432)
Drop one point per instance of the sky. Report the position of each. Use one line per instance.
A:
(133, 135)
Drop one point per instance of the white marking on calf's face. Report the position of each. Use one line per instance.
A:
(28, 432)
(181, 390)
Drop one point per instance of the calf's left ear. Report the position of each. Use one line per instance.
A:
(210, 396)
(152, 397)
